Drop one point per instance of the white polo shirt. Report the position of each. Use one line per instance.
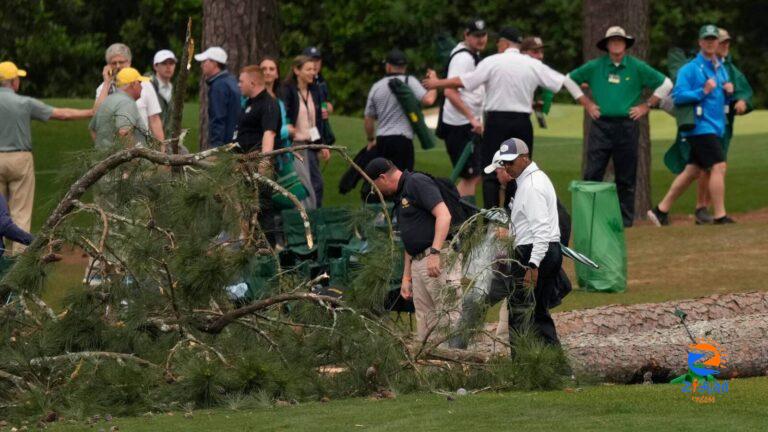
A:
(147, 103)
(510, 79)
(534, 217)
(463, 63)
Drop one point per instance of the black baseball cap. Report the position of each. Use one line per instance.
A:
(511, 34)
(397, 58)
(313, 52)
(477, 27)
(377, 167)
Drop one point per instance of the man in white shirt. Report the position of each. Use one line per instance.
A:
(535, 228)
(118, 56)
(462, 111)
(510, 79)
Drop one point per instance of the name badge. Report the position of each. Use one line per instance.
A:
(614, 79)
(314, 134)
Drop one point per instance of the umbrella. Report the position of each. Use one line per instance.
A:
(578, 257)
(351, 176)
(468, 147)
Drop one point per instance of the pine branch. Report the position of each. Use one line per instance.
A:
(180, 88)
(18, 381)
(93, 175)
(224, 320)
(41, 361)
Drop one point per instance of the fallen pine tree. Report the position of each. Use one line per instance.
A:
(160, 332)
(663, 352)
(608, 320)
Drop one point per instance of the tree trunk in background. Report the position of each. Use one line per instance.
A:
(246, 29)
(598, 15)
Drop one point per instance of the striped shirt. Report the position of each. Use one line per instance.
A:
(383, 106)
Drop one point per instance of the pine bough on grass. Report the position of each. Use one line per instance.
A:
(159, 333)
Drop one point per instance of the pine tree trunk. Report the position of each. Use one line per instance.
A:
(620, 343)
(613, 319)
(597, 16)
(626, 357)
(246, 29)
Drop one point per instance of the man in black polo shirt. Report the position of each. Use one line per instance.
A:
(259, 125)
(260, 120)
(424, 221)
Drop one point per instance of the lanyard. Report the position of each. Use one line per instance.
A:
(310, 118)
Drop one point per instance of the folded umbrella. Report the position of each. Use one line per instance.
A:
(350, 178)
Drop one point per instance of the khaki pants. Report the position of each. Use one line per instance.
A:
(502, 329)
(436, 300)
(17, 184)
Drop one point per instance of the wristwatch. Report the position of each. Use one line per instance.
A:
(532, 265)
(433, 251)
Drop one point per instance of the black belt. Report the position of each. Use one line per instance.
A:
(421, 255)
(614, 119)
(508, 113)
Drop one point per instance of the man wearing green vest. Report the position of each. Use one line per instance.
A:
(164, 64)
(741, 103)
(617, 81)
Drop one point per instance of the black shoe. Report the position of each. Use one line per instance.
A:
(658, 217)
(702, 216)
(725, 220)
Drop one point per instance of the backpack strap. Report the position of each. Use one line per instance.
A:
(441, 100)
(475, 57)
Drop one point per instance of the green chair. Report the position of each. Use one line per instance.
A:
(295, 235)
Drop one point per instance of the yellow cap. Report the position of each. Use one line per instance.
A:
(127, 76)
(8, 70)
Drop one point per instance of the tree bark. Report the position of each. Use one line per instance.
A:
(621, 343)
(633, 16)
(621, 319)
(246, 29)
(627, 357)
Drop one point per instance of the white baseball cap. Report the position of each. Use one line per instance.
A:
(508, 151)
(216, 54)
(164, 55)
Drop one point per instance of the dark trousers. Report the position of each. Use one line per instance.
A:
(316, 177)
(396, 148)
(615, 138)
(499, 127)
(529, 309)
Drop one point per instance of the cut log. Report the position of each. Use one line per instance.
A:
(608, 320)
(625, 357)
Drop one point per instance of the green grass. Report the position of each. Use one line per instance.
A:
(558, 152)
(618, 408)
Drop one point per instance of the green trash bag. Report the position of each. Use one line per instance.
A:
(287, 177)
(598, 232)
(412, 109)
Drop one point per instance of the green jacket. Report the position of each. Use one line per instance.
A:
(679, 153)
(165, 114)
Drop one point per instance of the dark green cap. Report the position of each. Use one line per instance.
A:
(709, 30)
